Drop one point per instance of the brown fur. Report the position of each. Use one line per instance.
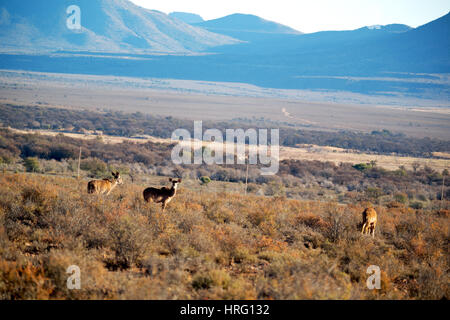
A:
(369, 221)
(163, 195)
(105, 185)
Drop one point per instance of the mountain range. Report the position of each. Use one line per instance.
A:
(367, 50)
(235, 48)
(107, 26)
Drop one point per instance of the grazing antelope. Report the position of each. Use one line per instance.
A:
(163, 195)
(369, 221)
(105, 185)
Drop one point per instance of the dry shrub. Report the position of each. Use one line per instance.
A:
(29, 210)
(219, 284)
(220, 214)
(303, 278)
(340, 224)
(96, 281)
(444, 213)
(128, 240)
(314, 222)
(433, 283)
(395, 204)
(261, 214)
(24, 282)
(202, 240)
(266, 243)
(171, 243)
(37, 202)
(188, 221)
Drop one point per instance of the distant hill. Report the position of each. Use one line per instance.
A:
(190, 18)
(246, 27)
(107, 25)
(322, 41)
(428, 44)
(367, 50)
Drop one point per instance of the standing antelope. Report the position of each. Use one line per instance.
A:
(369, 221)
(163, 195)
(105, 185)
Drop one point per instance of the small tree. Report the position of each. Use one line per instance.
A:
(96, 167)
(31, 164)
(205, 180)
(363, 166)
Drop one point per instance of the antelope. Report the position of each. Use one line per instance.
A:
(105, 185)
(369, 221)
(163, 195)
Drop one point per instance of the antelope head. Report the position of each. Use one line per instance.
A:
(117, 177)
(175, 182)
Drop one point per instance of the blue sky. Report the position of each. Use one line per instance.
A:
(314, 15)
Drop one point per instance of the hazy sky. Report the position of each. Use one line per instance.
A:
(313, 15)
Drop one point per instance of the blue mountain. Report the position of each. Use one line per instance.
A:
(247, 27)
(365, 50)
(190, 18)
(107, 25)
(271, 55)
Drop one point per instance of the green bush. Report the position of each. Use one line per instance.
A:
(202, 282)
(374, 193)
(96, 167)
(31, 164)
(422, 197)
(205, 180)
(363, 166)
(401, 197)
(417, 205)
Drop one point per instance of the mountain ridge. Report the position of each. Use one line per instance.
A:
(107, 25)
(247, 23)
(247, 27)
(189, 18)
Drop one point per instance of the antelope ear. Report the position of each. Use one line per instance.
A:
(117, 174)
(113, 174)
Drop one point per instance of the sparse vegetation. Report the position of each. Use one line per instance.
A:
(135, 124)
(296, 235)
(296, 179)
(210, 246)
(90, 183)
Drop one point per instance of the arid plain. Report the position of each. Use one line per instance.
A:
(200, 100)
